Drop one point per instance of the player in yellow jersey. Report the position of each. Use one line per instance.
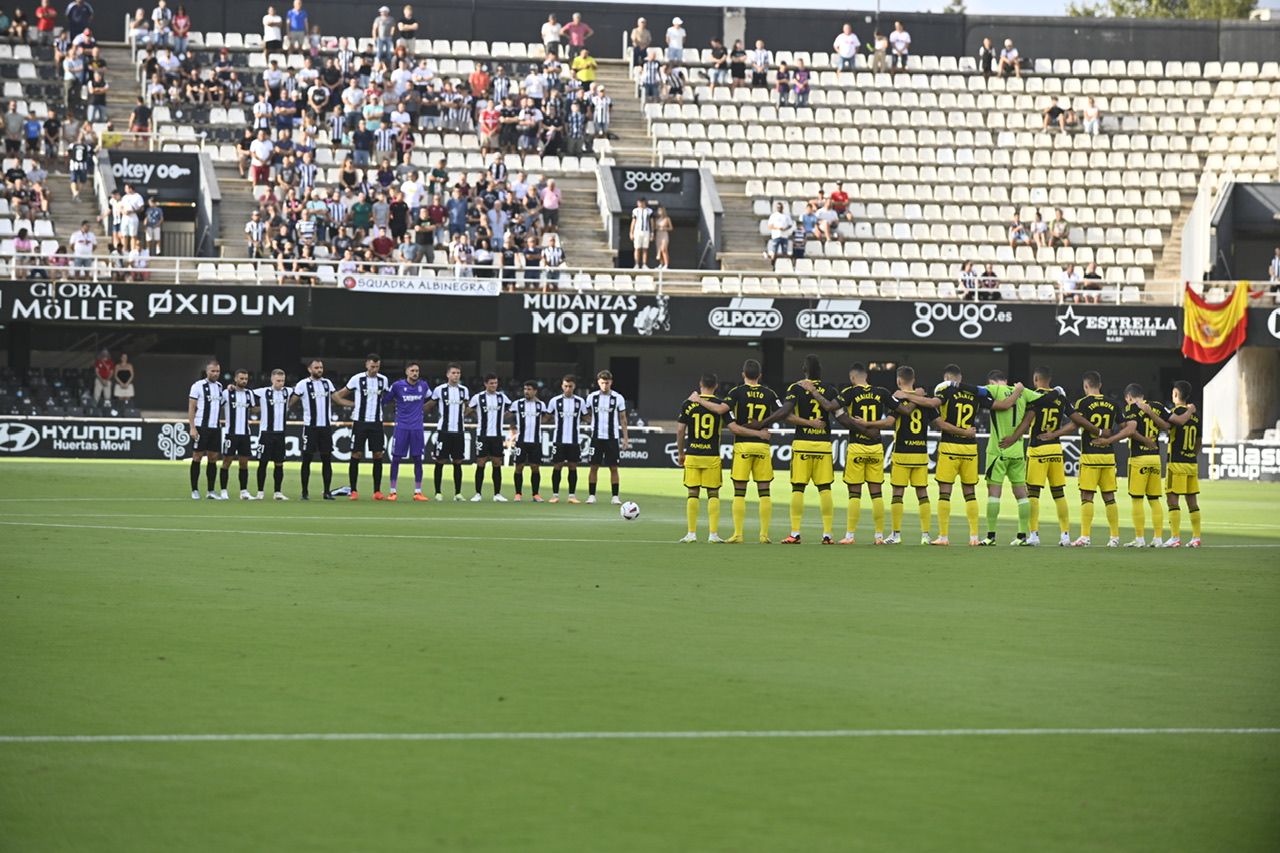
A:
(1182, 476)
(750, 404)
(865, 410)
(1097, 418)
(1146, 480)
(698, 453)
(910, 460)
(1047, 420)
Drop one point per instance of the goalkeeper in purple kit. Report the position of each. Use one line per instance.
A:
(410, 396)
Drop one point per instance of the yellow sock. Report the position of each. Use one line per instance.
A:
(1086, 518)
(851, 514)
(713, 514)
(797, 511)
(1113, 519)
(877, 513)
(1140, 517)
(766, 514)
(1175, 522)
(1035, 513)
(895, 510)
(1064, 514)
(1157, 519)
(925, 523)
(1195, 523)
(971, 513)
(739, 510)
(944, 517)
(691, 514)
(828, 507)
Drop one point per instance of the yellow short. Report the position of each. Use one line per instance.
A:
(1046, 468)
(1097, 478)
(811, 463)
(702, 471)
(909, 469)
(1145, 478)
(1182, 478)
(864, 463)
(957, 465)
(752, 460)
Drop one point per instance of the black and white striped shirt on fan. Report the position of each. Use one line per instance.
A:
(528, 419)
(315, 394)
(238, 402)
(604, 409)
(273, 409)
(451, 399)
(568, 411)
(369, 392)
(489, 409)
(208, 397)
(643, 217)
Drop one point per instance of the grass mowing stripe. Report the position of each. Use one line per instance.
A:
(781, 734)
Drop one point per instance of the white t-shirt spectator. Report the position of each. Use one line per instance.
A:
(131, 204)
(83, 243)
(676, 37)
(412, 193)
(1070, 281)
(271, 25)
(846, 46)
(780, 224)
(260, 150)
(550, 33)
(828, 214)
(900, 41)
(1009, 54)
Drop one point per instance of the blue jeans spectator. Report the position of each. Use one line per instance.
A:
(360, 157)
(385, 49)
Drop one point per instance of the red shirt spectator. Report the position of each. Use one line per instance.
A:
(577, 31)
(479, 82)
(489, 119)
(382, 245)
(104, 366)
(840, 199)
(46, 15)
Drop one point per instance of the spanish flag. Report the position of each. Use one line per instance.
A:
(1213, 331)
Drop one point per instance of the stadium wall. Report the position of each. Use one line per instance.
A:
(782, 28)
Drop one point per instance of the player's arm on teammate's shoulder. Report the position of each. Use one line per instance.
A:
(718, 406)
(951, 429)
(816, 393)
(746, 432)
(1085, 424)
(1010, 401)
(1127, 429)
(1180, 419)
(921, 399)
(1158, 414)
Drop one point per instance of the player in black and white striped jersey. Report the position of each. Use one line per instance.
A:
(450, 400)
(608, 430)
(238, 404)
(316, 394)
(567, 410)
(204, 416)
(490, 408)
(273, 413)
(367, 433)
(526, 435)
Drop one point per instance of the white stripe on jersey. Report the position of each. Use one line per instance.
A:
(489, 408)
(208, 397)
(238, 402)
(605, 409)
(274, 409)
(528, 419)
(315, 394)
(368, 399)
(568, 411)
(451, 399)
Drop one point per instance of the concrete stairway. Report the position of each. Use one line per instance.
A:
(1169, 261)
(634, 146)
(122, 76)
(582, 232)
(743, 246)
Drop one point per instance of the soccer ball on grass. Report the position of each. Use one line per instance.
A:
(630, 511)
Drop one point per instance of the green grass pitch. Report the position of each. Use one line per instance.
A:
(128, 609)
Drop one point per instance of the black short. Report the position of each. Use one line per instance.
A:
(529, 453)
(317, 440)
(604, 451)
(490, 447)
(271, 447)
(237, 445)
(567, 453)
(451, 447)
(208, 440)
(273, 45)
(368, 438)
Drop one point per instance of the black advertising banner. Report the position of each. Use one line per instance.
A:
(674, 189)
(340, 308)
(153, 304)
(1264, 327)
(167, 175)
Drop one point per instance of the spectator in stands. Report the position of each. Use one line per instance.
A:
(1069, 283)
(761, 61)
(986, 59)
(124, 375)
(139, 30)
(846, 50)
(662, 228)
(23, 254)
(968, 281)
(72, 74)
(673, 83)
(1092, 118)
(551, 32)
(899, 46)
(1054, 114)
(880, 50)
(840, 202)
(98, 88)
(260, 154)
(641, 232)
(131, 206)
(79, 15)
(550, 202)
(1039, 231)
(80, 156)
(407, 30)
(641, 39)
(299, 25)
(104, 372)
(19, 26)
(584, 68)
(577, 31)
(718, 73)
(782, 84)
(153, 225)
(552, 262)
(384, 32)
(780, 227)
(738, 65)
(675, 40)
(181, 27)
(13, 121)
(6, 22)
(140, 118)
(32, 130)
(827, 219)
(161, 23)
(46, 17)
(651, 75)
(1059, 229)
(989, 288)
(1010, 60)
(272, 31)
(1018, 234)
(1273, 269)
(800, 85)
(1091, 285)
(601, 113)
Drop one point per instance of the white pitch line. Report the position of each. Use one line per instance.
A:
(763, 734)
